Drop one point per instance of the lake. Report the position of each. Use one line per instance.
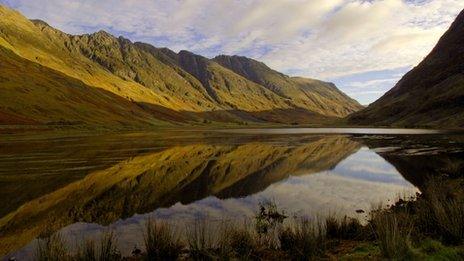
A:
(84, 185)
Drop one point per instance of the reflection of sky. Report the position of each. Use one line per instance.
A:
(360, 181)
(366, 165)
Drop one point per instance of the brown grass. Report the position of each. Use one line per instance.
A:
(161, 242)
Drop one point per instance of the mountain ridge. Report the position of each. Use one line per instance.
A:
(164, 86)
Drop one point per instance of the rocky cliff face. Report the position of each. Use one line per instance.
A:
(431, 94)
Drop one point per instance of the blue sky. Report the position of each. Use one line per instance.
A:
(362, 46)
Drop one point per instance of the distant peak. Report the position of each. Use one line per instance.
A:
(235, 57)
(185, 52)
(39, 22)
(124, 40)
(240, 59)
(103, 33)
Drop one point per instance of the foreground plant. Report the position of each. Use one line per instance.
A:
(393, 234)
(344, 228)
(87, 251)
(305, 240)
(108, 248)
(202, 244)
(51, 248)
(161, 242)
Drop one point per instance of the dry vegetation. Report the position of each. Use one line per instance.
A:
(429, 227)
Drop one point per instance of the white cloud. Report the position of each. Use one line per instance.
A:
(367, 84)
(315, 38)
(366, 36)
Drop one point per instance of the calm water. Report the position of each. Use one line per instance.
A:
(82, 186)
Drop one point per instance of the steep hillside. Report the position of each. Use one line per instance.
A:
(431, 94)
(31, 94)
(156, 85)
(318, 96)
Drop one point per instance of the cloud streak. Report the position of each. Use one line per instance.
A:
(324, 39)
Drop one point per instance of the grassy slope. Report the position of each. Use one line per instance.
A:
(32, 93)
(314, 95)
(432, 94)
(167, 86)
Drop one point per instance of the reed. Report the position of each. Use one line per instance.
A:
(51, 248)
(161, 241)
(304, 240)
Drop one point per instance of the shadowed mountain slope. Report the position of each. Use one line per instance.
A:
(318, 96)
(158, 84)
(431, 94)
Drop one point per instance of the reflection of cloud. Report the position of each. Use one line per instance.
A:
(359, 181)
(319, 194)
(367, 165)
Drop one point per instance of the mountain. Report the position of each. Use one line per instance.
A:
(431, 94)
(314, 95)
(50, 77)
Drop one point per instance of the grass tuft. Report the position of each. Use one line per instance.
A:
(161, 243)
(108, 248)
(241, 242)
(393, 235)
(87, 251)
(201, 242)
(345, 228)
(51, 248)
(305, 240)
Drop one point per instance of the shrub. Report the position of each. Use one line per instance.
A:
(268, 217)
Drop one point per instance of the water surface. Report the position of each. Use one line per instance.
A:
(82, 186)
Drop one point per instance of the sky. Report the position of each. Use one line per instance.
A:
(363, 46)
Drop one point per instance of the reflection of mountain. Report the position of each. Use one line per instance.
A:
(418, 168)
(57, 161)
(418, 164)
(184, 173)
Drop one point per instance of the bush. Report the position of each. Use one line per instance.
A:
(269, 217)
